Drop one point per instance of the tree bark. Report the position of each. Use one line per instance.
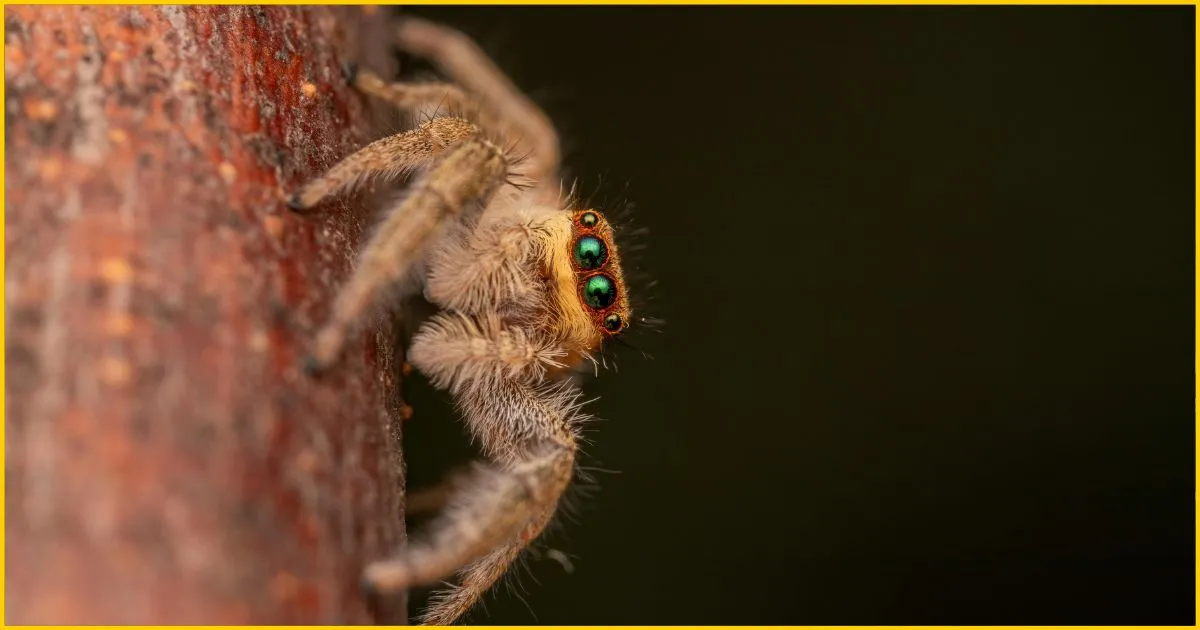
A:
(168, 462)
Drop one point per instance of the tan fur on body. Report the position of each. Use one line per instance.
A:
(515, 319)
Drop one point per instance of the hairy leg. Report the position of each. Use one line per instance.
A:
(528, 429)
(429, 500)
(445, 97)
(480, 268)
(467, 65)
(463, 353)
(387, 157)
(470, 172)
(476, 578)
(495, 506)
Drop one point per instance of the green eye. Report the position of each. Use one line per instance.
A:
(588, 219)
(612, 323)
(599, 291)
(590, 252)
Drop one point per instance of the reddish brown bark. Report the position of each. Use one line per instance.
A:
(167, 461)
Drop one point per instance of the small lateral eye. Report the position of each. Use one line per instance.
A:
(590, 252)
(589, 219)
(612, 323)
(599, 291)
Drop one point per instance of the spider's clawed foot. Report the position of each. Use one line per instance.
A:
(326, 353)
(384, 578)
(304, 199)
(295, 204)
(350, 71)
(312, 367)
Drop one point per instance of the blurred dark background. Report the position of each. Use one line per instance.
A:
(928, 281)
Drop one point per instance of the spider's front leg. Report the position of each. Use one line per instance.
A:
(470, 171)
(486, 267)
(528, 428)
(387, 157)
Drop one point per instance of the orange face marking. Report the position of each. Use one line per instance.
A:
(597, 268)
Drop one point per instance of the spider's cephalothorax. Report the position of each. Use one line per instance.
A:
(528, 288)
(598, 267)
(591, 290)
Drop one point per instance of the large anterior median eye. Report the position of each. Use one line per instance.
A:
(599, 291)
(590, 252)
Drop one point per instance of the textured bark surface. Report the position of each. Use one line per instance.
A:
(167, 461)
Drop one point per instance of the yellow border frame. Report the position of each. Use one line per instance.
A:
(1196, 295)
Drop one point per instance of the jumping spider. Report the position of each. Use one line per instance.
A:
(529, 288)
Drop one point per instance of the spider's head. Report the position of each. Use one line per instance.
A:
(599, 283)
